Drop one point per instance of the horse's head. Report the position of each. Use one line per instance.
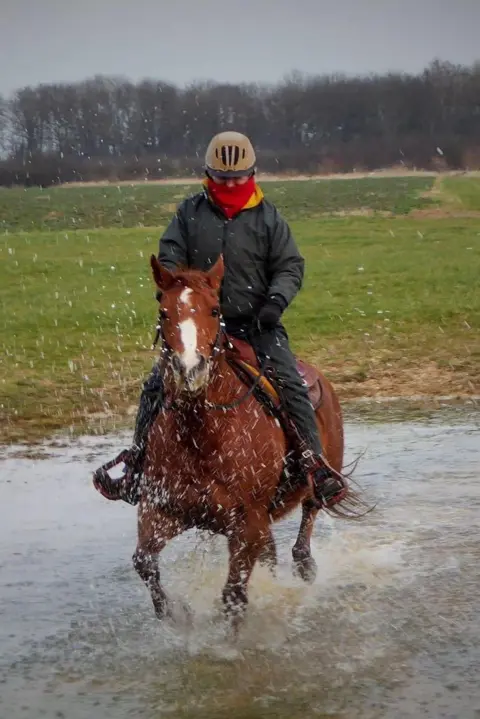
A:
(190, 322)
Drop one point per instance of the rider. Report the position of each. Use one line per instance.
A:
(263, 272)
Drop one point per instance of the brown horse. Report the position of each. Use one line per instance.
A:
(216, 457)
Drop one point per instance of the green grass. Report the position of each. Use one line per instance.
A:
(78, 309)
(362, 272)
(129, 206)
(464, 192)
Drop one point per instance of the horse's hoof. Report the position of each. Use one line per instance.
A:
(161, 613)
(180, 613)
(235, 608)
(270, 564)
(305, 567)
(162, 609)
(234, 623)
(175, 611)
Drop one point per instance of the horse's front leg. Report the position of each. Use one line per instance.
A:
(155, 528)
(303, 563)
(245, 544)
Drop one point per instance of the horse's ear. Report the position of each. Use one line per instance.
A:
(163, 277)
(215, 275)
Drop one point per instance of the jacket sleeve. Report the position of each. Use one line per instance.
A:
(173, 243)
(286, 264)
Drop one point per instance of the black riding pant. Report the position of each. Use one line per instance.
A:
(294, 394)
(293, 391)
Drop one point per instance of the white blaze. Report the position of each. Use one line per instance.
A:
(185, 296)
(188, 335)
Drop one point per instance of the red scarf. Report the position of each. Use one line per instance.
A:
(233, 199)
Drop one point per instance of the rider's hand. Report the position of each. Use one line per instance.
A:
(270, 313)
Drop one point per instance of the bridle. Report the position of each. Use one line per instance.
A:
(221, 340)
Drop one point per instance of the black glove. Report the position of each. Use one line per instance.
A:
(270, 313)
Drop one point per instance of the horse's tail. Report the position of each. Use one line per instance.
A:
(354, 505)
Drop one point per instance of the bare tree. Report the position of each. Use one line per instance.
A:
(110, 127)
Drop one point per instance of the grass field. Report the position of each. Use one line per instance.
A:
(391, 304)
(151, 205)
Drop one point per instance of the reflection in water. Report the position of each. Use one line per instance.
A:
(389, 629)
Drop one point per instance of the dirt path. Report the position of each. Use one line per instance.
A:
(265, 177)
(427, 381)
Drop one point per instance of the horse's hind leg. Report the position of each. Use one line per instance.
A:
(303, 563)
(154, 531)
(268, 555)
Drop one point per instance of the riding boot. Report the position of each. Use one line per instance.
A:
(126, 487)
(329, 486)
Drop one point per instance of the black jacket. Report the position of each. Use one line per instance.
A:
(261, 257)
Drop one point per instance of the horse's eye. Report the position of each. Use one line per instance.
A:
(215, 312)
(163, 314)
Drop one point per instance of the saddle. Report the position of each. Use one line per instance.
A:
(242, 357)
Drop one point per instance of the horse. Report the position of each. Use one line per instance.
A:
(217, 457)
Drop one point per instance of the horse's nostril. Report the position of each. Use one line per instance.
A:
(198, 369)
(178, 365)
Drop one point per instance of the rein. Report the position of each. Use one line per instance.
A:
(216, 348)
(237, 402)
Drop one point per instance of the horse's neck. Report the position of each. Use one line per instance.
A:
(224, 382)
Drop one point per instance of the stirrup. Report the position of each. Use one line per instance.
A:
(328, 486)
(331, 492)
(125, 487)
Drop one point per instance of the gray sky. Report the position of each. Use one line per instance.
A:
(228, 40)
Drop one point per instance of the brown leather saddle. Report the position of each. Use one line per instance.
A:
(241, 354)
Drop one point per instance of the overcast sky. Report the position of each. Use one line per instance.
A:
(43, 41)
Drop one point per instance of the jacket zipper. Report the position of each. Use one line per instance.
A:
(224, 243)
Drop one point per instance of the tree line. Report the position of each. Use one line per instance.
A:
(111, 128)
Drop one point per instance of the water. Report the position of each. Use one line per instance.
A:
(390, 628)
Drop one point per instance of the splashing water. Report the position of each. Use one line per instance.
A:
(389, 628)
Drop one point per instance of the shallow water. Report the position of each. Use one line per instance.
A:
(391, 627)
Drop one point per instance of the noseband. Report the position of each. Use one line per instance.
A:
(220, 340)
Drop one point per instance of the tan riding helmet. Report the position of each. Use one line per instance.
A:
(230, 154)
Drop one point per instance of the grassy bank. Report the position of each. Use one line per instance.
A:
(151, 205)
(391, 305)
